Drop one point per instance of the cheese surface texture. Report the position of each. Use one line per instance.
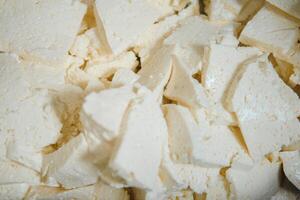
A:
(149, 99)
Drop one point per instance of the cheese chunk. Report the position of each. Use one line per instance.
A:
(13, 191)
(156, 70)
(107, 67)
(124, 77)
(266, 108)
(143, 132)
(121, 23)
(70, 165)
(263, 178)
(98, 191)
(184, 134)
(41, 22)
(102, 112)
(284, 194)
(184, 89)
(291, 166)
(291, 7)
(13, 173)
(271, 32)
(217, 11)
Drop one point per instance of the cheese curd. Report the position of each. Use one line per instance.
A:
(149, 99)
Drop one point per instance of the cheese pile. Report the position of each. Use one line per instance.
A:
(149, 99)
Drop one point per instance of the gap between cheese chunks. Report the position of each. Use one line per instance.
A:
(50, 27)
(265, 107)
(142, 134)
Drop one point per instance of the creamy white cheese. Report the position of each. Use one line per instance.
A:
(291, 166)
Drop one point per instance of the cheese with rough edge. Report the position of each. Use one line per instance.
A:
(291, 7)
(291, 166)
(266, 108)
(70, 165)
(121, 23)
(102, 113)
(271, 32)
(184, 134)
(13, 173)
(98, 191)
(156, 70)
(184, 89)
(124, 77)
(142, 133)
(40, 21)
(13, 191)
(107, 67)
(264, 178)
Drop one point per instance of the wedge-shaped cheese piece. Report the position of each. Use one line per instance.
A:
(107, 67)
(142, 134)
(266, 108)
(271, 31)
(13, 173)
(222, 64)
(98, 191)
(291, 7)
(102, 112)
(264, 178)
(121, 23)
(13, 191)
(291, 166)
(40, 21)
(70, 164)
(124, 77)
(156, 70)
(184, 134)
(184, 89)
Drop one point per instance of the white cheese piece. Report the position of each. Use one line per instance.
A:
(291, 7)
(216, 188)
(284, 194)
(12, 173)
(291, 166)
(184, 134)
(95, 47)
(266, 108)
(156, 70)
(235, 6)
(264, 178)
(122, 23)
(41, 22)
(217, 11)
(124, 77)
(98, 191)
(184, 89)
(105, 68)
(143, 132)
(102, 112)
(80, 46)
(222, 64)
(13, 191)
(70, 165)
(271, 32)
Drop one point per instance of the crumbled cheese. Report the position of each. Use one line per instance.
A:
(40, 21)
(291, 166)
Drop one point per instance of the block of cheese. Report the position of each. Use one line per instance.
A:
(41, 22)
(263, 178)
(142, 136)
(271, 31)
(121, 23)
(291, 166)
(184, 89)
(156, 70)
(99, 191)
(70, 164)
(217, 11)
(291, 7)
(266, 108)
(14, 173)
(103, 112)
(107, 67)
(13, 191)
(124, 77)
(184, 134)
